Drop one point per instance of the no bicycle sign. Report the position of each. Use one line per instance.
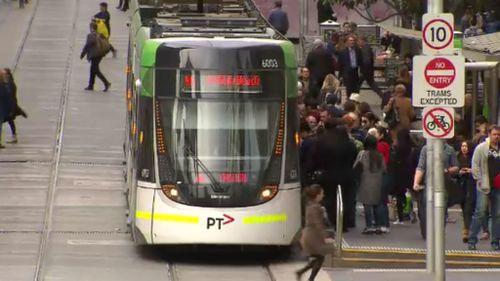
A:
(438, 123)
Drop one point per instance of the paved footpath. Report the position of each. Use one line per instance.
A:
(14, 23)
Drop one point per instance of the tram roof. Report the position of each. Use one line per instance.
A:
(152, 46)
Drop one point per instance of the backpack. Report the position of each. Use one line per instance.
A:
(102, 29)
(102, 45)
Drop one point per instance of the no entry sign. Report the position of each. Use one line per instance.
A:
(438, 81)
(438, 122)
(440, 73)
(437, 34)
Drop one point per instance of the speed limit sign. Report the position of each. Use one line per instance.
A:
(437, 34)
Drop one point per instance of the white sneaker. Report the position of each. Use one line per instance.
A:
(397, 222)
(384, 229)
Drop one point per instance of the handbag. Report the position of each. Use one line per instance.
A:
(392, 117)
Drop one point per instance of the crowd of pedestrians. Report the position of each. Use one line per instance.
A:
(376, 160)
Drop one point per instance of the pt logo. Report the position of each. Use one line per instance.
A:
(219, 222)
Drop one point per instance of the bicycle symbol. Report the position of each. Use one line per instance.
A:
(431, 125)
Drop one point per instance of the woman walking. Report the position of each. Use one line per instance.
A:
(11, 84)
(6, 103)
(314, 233)
(400, 170)
(370, 167)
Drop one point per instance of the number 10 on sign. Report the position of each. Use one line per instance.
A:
(437, 34)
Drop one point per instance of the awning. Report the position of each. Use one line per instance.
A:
(402, 32)
(488, 44)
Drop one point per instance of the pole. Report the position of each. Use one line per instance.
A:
(474, 101)
(302, 28)
(494, 96)
(436, 7)
(429, 194)
(439, 211)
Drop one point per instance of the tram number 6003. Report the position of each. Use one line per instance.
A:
(270, 63)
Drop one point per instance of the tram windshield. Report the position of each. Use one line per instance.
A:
(220, 150)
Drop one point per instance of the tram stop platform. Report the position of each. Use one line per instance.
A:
(401, 254)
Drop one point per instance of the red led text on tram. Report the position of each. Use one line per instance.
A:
(225, 80)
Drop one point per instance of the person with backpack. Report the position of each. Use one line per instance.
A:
(95, 49)
(102, 20)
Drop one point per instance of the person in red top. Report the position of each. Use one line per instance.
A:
(383, 145)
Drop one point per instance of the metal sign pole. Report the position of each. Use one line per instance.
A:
(429, 200)
(436, 234)
(439, 210)
(439, 196)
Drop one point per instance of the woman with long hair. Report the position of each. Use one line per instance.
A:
(464, 157)
(17, 110)
(331, 86)
(370, 167)
(400, 170)
(6, 102)
(314, 233)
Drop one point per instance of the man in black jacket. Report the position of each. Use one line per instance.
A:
(278, 18)
(94, 55)
(367, 68)
(350, 60)
(319, 64)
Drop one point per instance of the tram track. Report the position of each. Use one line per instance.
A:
(184, 272)
(56, 156)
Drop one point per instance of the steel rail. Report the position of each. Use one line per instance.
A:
(56, 160)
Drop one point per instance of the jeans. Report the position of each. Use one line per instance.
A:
(95, 71)
(374, 215)
(479, 216)
(422, 212)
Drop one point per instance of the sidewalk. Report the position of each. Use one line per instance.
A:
(410, 275)
(14, 23)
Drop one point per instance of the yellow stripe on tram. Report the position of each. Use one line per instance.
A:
(166, 217)
(265, 219)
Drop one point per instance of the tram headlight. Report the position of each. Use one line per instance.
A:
(171, 191)
(268, 192)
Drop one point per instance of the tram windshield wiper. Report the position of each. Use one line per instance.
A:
(214, 183)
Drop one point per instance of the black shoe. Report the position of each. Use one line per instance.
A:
(471, 247)
(106, 87)
(89, 89)
(495, 246)
(298, 275)
(2, 146)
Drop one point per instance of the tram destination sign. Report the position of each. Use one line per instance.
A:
(438, 81)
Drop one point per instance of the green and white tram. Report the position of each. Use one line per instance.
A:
(212, 143)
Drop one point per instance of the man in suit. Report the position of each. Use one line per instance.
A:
(367, 68)
(350, 59)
